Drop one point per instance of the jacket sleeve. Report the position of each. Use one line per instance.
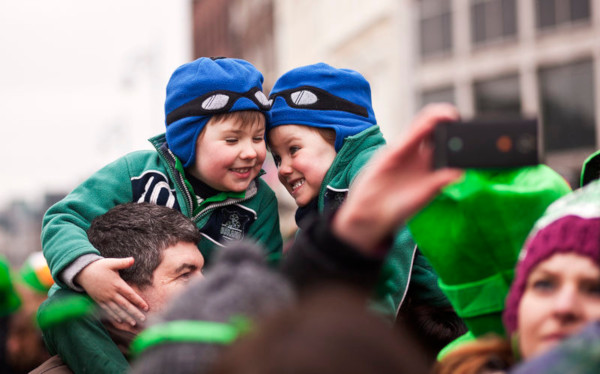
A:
(83, 343)
(265, 230)
(318, 256)
(64, 226)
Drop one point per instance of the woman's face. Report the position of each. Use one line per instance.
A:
(561, 296)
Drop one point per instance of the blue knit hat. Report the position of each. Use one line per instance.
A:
(322, 96)
(205, 87)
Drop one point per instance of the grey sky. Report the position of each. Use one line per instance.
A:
(81, 83)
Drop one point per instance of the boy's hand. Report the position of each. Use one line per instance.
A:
(395, 184)
(101, 280)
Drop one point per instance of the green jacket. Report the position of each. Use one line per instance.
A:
(83, 342)
(152, 177)
(404, 263)
(148, 176)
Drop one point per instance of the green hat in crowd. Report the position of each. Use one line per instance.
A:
(35, 273)
(590, 170)
(9, 300)
(472, 233)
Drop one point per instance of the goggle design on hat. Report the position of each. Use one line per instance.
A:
(215, 102)
(309, 97)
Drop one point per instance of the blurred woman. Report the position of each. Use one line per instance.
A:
(556, 290)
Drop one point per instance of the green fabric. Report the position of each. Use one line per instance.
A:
(473, 231)
(477, 298)
(194, 331)
(9, 300)
(465, 338)
(65, 308)
(398, 267)
(82, 342)
(478, 303)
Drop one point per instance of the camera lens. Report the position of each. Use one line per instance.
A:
(526, 143)
(455, 144)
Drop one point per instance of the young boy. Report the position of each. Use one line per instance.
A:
(322, 132)
(207, 166)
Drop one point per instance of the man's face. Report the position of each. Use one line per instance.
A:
(180, 263)
(229, 155)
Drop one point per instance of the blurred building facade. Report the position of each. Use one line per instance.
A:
(489, 57)
(507, 57)
(20, 228)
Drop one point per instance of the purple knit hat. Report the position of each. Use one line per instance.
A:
(570, 225)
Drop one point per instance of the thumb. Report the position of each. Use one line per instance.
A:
(120, 263)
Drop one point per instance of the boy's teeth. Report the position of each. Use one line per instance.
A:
(297, 184)
(243, 170)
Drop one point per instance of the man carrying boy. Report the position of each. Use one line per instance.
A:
(322, 132)
(207, 166)
(163, 245)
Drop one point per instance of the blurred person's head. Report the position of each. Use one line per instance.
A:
(9, 303)
(162, 241)
(330, 331)
(487, 355)
(215, 121)
(188, 336)
(556, 290)
(24, 345)
(315, 109)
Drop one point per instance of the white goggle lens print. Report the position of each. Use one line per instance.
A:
(215, 102)
(260, 96)
(303, 98)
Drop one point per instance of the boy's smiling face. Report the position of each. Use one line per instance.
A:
(229, 154)
(303, 157)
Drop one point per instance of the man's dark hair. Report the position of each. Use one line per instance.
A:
(141, 231)
(238, 284)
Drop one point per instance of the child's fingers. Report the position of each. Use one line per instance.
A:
(109, 312)
(133, 313)
(120, 313)
(132, 297)
(119, 263)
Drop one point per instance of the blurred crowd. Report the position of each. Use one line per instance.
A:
(172, 261)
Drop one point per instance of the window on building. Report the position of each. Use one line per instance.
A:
(435, 26)
(493, 20)
(440, 95)
(551, 13)
(498, 97)
(567, 106)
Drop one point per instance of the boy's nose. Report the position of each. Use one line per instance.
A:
(248, 151)
(284, 168)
